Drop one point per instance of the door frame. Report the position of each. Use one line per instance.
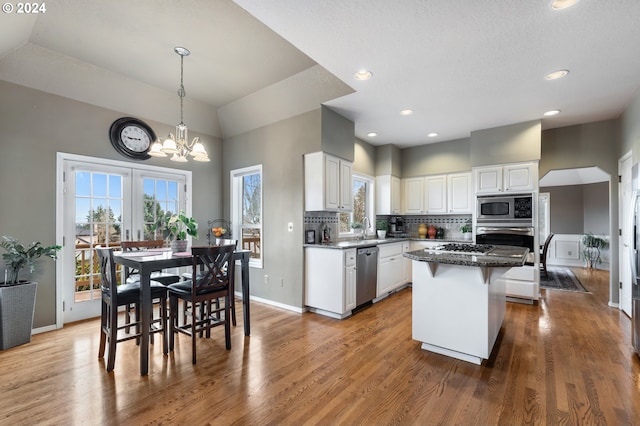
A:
(61, 157)
(624, 207)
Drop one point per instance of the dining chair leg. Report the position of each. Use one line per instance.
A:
(193, 332)
(173, 320)
(113, 339)
(165, 326)
(103, 332)
(227, 324)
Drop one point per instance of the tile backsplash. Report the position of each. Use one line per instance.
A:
(451, 224)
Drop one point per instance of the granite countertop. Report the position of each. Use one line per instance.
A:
(500, 256)
(348, 244)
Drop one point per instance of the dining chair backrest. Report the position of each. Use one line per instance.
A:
(141, 245)
(214, 275)
(108, 276)
(226, 242)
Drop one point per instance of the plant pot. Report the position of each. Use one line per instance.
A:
(17, 304)
(467, 235)
(382, 234)
(179, 246)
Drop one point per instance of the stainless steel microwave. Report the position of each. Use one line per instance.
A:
(516, 209)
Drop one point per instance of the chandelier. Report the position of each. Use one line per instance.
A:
(179, 145)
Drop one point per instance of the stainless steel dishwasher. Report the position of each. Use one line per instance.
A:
(366, 274)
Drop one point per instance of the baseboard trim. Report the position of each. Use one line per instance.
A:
(276, 304)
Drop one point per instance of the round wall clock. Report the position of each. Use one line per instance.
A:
(132, 137)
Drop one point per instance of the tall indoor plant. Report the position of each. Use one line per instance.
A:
(176, 228)
(592, 246)
(17, 298)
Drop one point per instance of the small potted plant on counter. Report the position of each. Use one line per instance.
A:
(467, 230)
(176, 228)
(381, 228)
(18, 297)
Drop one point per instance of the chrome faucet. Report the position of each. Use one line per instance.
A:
(366, 223)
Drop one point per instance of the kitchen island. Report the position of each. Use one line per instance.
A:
(458, 300)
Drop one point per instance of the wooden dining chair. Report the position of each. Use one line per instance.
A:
(211, 282)
(544, 253)
(132, 276)
(114, 296)
(187, 276)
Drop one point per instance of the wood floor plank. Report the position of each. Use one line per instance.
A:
(565, 360)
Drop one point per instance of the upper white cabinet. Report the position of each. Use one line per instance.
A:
(508, 178)
(388, 190)
(438, 194)
(413, 197)
(459, 193)
(328, 185)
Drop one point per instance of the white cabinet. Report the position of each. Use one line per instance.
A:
(406, 271)
(388, 195)
(435, 194)
(330, 281)
(413, 198)
(390, 268)
(438, 194)
(507, 178)
(328, 185)
(349, 280)
(459, 193)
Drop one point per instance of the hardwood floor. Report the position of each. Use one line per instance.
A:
(566, 360)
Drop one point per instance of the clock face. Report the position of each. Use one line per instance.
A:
(132, 137)
(135, 138)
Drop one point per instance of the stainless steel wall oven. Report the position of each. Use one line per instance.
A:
(513, 235)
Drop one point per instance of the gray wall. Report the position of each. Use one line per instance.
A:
(630, 129)
(279, 148)
(388, 160)
(445, 157)
(578, 209)
(35, 126)
(364, 158)
(506, 144)
(338, 134)
(586, 145)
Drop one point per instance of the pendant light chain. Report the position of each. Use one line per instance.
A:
(178, 146)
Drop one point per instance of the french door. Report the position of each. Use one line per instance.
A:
(104, 203)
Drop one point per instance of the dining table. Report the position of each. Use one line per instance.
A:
(146, 262)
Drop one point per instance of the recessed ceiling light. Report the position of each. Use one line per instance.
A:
(363, 75)
(406, 112)
(372, 134)
(552, 112)
(556, 74)
(562, 4)
(432, 135)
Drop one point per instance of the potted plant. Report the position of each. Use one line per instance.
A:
(18, 297)
(467, 230)
(176, 227)
(591, 249)
(381, 228)
(357, 228)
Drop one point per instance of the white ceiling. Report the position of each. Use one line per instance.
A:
(462, 65)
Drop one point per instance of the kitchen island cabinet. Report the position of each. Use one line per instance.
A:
(459, 301)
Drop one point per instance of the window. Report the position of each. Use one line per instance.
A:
(246, 211)
(362, 206)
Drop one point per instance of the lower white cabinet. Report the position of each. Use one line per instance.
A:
(390, 268)
(330, 281)
(406, 270)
